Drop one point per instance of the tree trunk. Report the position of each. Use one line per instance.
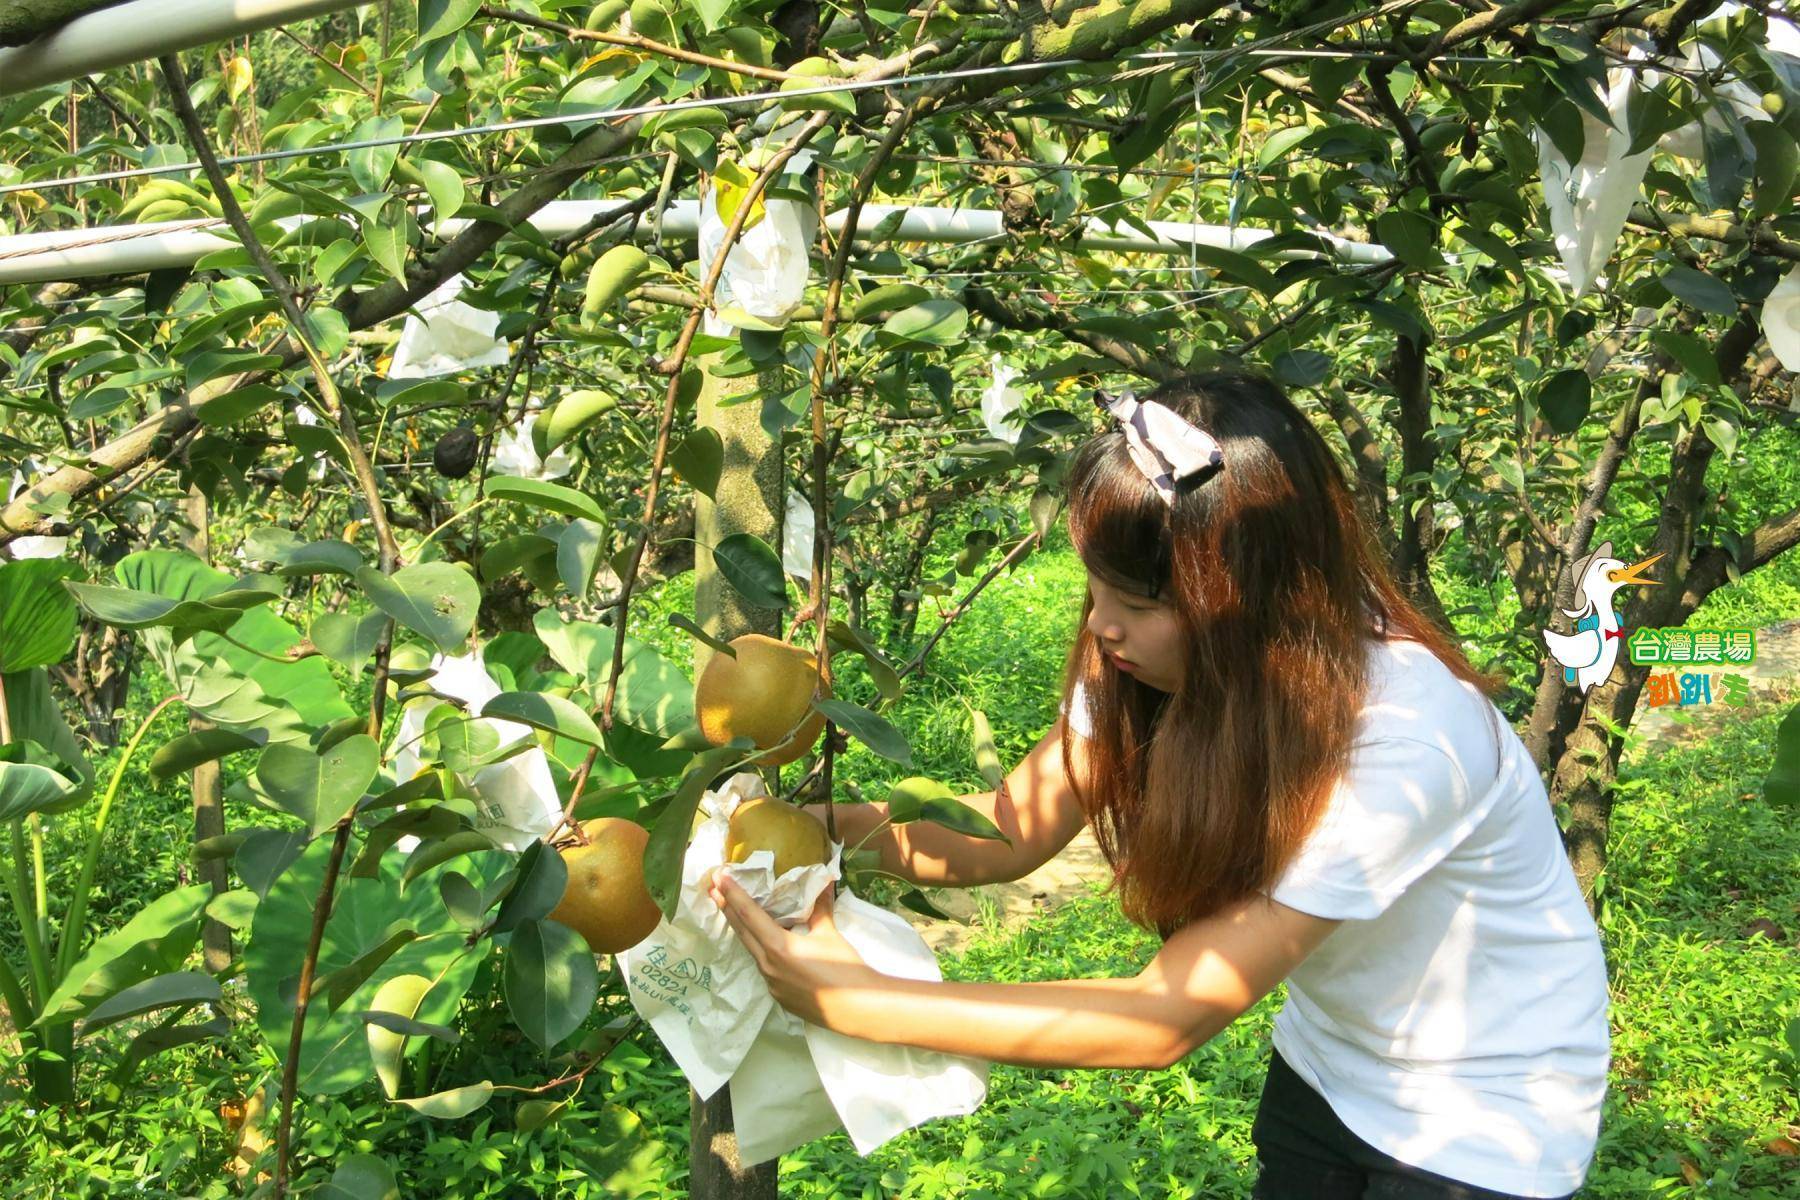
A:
(749, 499)
(1587, 763)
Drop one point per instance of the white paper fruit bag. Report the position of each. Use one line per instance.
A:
(697, 986)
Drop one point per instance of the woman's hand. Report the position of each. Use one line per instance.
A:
(802, 965)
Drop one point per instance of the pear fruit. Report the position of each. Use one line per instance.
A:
(605, 900)
(761, 694)
(914, 790)
(793, 835)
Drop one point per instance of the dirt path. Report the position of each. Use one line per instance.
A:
(1774, 679)
(1070, 873)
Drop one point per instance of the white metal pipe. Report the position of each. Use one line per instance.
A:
(133, 249)
(145, 29)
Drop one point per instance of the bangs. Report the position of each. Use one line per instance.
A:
(1118, 525)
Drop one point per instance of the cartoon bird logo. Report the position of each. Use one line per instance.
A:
(1587, 655)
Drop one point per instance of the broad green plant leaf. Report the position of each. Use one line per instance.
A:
(154, 942)
(38, 618)
(161, 991)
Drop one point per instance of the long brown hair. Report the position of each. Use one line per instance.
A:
(1199, 798)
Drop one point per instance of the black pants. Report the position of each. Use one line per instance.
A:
(1306, 1153)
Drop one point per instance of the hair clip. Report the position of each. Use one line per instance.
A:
(1172, 453)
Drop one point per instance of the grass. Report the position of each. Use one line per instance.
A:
(1701, 1082)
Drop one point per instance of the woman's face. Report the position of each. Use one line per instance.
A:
(1139, 635)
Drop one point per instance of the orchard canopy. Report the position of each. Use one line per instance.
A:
(327, 346)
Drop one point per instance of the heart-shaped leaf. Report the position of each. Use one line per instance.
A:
(318, 787)
(348, 638)
(434, 599)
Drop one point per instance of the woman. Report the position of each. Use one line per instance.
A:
(1294, 776)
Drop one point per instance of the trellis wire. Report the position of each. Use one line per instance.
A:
(431, 135)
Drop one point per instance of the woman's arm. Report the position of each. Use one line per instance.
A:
(1039, 813)
(1204, 977)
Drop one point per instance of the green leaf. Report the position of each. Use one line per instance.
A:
(1411, 237)
(31, 781)
(346, 638)
(1564, 399)
(537, 888)
(328, 330)
(699, 459)
(238, 405)
(388, 235)
(196, 747)
(1699, 290)
(871, 729)
(265, 854)
(654, 695)
(316, 558)
(439, 18)
(849, 637)
(1280, 142)
(443, 183)
(235, 908)
(37, 615)
(1236, 266)
(573, 413)
(936, 322)
(667, 847)
(229, 684)
(319, 787)
(127, 608)
(987, 759)
(546, 496)
(334, 1052)
(434, 854)
(1301, 368)
(958, 817)
(462, 744)
(161, 991)
(541, 710)
(361, 1177)
(1782, 785)
(452, 1104)
(235, 686)
(370, 165)
(338, 986)
(753, 568)
(434, 599)
(550, 980)
(154, 942)
(578, 555)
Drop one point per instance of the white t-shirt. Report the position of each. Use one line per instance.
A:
(1457, 1019)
